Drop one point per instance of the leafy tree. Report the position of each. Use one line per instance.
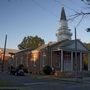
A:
(85, 61)
(31, 42)
(87, 45)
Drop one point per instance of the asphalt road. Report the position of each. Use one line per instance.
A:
(28, 83)
(59, 86)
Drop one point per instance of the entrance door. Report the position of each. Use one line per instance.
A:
(67, 61)
(67, 65)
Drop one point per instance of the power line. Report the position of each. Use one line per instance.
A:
(40, 6)
(43, 8)
(65, 6)
(80, 21)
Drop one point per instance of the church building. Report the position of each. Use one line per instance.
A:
(65, 55)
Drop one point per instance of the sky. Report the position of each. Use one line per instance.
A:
(22, 18)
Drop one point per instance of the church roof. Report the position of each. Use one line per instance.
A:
(65, 45)
(63, 15)
(70, 45)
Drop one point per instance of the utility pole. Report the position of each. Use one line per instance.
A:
(76, 51)
(76, 61)
(4, 51)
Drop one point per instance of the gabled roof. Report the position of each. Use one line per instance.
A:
(44, 46)
(65, 45)
(70, 45)
(41, 47)
(49, 44)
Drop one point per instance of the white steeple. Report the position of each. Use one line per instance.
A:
(63, 32)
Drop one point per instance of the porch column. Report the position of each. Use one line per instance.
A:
(80, 61)
(51, 58)
(71, 61)
(61, 60)
(44, 57)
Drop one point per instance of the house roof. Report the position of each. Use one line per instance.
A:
(70, 45)
(62, 45)
(9, 50)
(45, 45)
(25, 50)
(65, 45)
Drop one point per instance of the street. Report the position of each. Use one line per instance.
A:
(60, 86)
(29, 83)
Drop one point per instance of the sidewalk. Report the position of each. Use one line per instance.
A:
(77, 79)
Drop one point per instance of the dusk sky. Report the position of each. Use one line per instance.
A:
(20, 18)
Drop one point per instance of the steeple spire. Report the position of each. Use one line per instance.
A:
(63, 32)
(63, 15)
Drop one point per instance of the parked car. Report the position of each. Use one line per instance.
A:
(16, 71)
(20, 72)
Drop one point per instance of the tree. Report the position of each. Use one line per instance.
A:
(31, 42)
(86, 2)
(87, 45)
(85, 61)
(82, 13)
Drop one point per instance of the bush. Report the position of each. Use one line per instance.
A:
(25, 70)
(47, 70)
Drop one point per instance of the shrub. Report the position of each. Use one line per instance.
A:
(47, 70)
(25, 70)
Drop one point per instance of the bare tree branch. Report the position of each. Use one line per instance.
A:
(87, 2)
(73, 17)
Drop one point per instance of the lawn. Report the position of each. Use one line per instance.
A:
(6, 83)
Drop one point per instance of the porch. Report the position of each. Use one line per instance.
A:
(67, 60)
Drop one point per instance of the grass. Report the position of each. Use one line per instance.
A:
(6, 83)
